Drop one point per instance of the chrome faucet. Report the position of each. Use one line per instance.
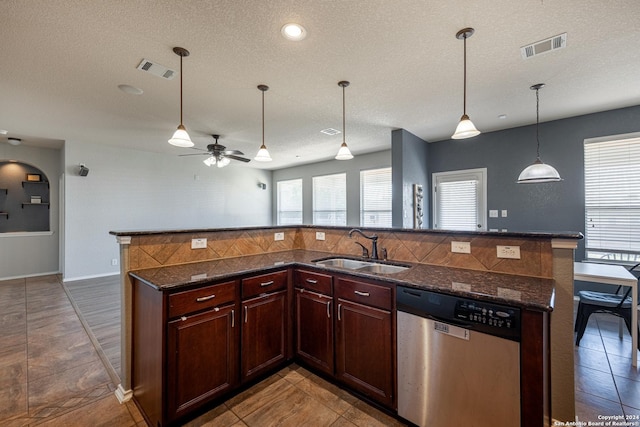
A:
(373, 238)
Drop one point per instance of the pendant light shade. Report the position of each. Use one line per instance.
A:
(180, 137)
(343, 153)
(465, 128)
(263, 154)
(538, 172)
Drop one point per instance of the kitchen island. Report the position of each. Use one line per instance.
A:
(490, 279)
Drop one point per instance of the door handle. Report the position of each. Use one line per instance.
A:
(207, 298)
(339, 307)
(312, 281)
(362, 294)
(245, 314)
(233, 318)
(270, 282)
(329, 309)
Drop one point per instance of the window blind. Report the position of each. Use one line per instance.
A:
(457, 205)
(330, 199)
(612, 199)
(289, 200)
(375, 198)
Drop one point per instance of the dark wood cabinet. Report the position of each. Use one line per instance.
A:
(202, 355)
(365, 340)
(314, 329)
(264, 333)
(314, 320)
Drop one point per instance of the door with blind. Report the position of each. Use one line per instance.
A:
(330, 199)
(460, 200)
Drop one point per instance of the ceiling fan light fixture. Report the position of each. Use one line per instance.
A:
(180, 137)
(222, 162)
(465, 128)
(538, 172)
(343, 153)
(209, 161)
(263, 153)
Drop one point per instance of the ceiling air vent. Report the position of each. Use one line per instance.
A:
(544, 46)
(156, 69)
(330, 131)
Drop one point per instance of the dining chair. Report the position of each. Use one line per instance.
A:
(616, 304)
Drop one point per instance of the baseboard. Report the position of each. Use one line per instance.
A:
(123, 395)
(93, 276)
(26, 276)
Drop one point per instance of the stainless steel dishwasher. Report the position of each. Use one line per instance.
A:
(458, 361)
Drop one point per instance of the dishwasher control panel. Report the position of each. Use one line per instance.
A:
(493, 315)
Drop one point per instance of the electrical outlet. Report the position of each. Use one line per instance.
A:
(461, 247)
(493, 213)
(278, 236)
(319, 235)
(510, 252)
(114, 261)
(198, 243)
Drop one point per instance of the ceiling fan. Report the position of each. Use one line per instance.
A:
(218, 154)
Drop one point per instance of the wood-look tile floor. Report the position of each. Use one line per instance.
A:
(54, 373)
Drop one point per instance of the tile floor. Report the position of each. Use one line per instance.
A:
(51, 374)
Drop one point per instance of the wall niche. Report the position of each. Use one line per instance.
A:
(24, 198)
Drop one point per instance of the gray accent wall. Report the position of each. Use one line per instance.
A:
(534, 207)
(380, 159)
(409, 166)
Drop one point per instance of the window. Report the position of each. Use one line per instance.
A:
(330, 199)
(460, 200)
(289, 201)
(612, 198)
(375, 198)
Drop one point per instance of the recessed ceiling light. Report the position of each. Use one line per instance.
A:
(330, 131)
(293, 32)
(14, 141)
(3, 132)
(502, 116)
(131, 90)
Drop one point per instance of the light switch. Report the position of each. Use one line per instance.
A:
(504, 213)
(493, 213)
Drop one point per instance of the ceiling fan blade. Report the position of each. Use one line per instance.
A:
(229, 152)
(242, 159)
(195, 154)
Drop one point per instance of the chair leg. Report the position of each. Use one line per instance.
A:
(581, 322)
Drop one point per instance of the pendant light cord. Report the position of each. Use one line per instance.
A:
(343, 120)
(262, 119)
(181, 90)
(464, 99)
(538, 124)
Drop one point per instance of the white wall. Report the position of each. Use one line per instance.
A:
(33, 254)
(136, 190)
(380, 159)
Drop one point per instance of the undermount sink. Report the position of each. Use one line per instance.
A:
(363, 266)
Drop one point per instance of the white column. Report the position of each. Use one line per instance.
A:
(124, 392)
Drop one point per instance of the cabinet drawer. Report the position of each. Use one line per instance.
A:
(364, 293)
(313, 281)
(198, 299)
(265, 283)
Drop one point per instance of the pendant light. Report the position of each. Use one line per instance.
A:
(538, 172)
(180, 137)
(263, 154)
(465, 128)
(343, 152)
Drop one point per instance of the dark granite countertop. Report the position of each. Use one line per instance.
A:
(521, 291)
(527, 233)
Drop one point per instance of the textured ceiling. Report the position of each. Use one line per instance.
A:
(62, 61)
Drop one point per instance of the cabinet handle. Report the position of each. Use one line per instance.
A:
(207, 298)
(362, 294)
(312, 281)
(339, 307)
(270, 282)
(233, 318)
(245, 314)
(329, 309)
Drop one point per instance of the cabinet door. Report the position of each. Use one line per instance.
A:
(264, 333)
(364, 358)
(202, 354)
(314, 330)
